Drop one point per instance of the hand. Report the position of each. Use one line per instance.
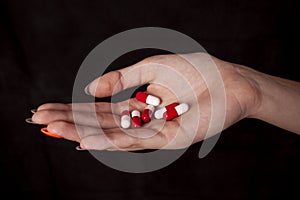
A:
(171, 78)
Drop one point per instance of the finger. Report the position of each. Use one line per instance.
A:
(116, 81)
(122, 141)
(130, 104)
(104, 120)
(167, 96)
(106, 107)
(87, 107)
(74, 132)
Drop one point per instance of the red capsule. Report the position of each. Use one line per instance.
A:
(136, 119)
(176, 112)
(159, 113)
(171, 106)
(147, 98)
(147, 113)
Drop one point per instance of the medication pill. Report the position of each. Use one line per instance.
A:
(136, 119)
(147, 98)
(159, 113)
(177, 111)
(147, 113)
(125, 119)
(46, 132)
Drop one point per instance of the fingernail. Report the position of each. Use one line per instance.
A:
(46, 132)
(78, 148)
(111, 149)
(86, 90)
(29, 120)
(33, 111)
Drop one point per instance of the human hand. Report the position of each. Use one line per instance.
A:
(171, 78)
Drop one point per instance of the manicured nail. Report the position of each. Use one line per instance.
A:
(78, 148)
(46, 132)
(33, 111)
(111, 149)
(29, 120)
(86, 90)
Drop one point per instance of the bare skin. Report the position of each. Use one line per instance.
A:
(248, 94)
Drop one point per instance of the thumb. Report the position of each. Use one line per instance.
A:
(118, 80)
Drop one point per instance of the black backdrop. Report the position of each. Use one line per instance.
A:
(42, 45)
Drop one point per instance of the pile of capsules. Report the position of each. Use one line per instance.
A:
(135, 119)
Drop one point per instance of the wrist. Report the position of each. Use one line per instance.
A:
(254, 90)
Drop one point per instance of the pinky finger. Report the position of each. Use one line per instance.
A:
(119, 140)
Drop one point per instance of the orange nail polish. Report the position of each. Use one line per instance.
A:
(46, 132)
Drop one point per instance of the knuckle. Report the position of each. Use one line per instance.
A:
(100, 117)
(97, 106)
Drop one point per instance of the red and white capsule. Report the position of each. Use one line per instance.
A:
(176, 112)
(147, 98)
(125, 119)
(159, 113)
(147, 113)
(136, 119)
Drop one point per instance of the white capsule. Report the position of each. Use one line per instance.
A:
(152, 100)
(135, 113)
(182, 108)
(147, 98)
(150, 107)
(125, 119)
(159, 113)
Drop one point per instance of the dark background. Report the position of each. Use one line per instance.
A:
(43, 43)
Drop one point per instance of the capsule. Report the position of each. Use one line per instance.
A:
(147, 98)
(176, 112)
(159, 113)
(125, 119)
(136, 119)
(147, 113)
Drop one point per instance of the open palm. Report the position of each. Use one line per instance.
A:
(201, 81)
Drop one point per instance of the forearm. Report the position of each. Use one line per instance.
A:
(279, 101)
